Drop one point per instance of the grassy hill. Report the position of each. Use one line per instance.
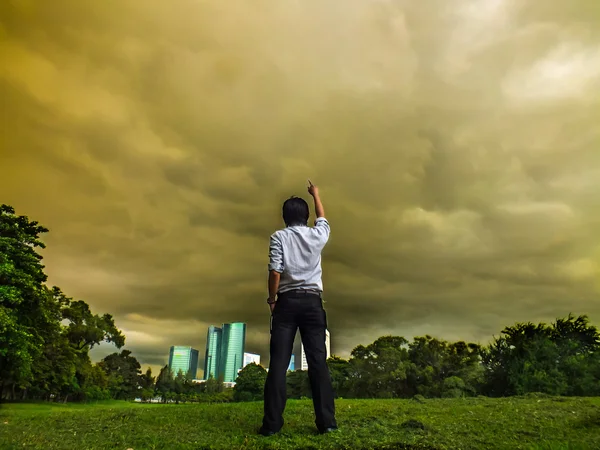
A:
(479, 423)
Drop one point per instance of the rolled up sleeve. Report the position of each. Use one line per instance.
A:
(322, 229)
(275, 254)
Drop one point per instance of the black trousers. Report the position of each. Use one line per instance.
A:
(304, 311)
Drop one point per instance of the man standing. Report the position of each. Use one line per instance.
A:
(295, 289)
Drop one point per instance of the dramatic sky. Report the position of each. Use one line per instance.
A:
(455, 142)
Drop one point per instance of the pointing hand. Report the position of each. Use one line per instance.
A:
(312, 189)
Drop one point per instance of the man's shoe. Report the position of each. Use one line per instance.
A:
(329, 430)
(266, 432)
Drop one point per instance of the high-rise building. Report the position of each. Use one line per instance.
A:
(184, 359)
(250, 358)
(292, 365)
(213, 352)
(301, 355)
(233, 342)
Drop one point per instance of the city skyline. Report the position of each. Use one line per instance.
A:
(213, 347)
(456, 156)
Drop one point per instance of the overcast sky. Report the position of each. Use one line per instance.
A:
(455, 143)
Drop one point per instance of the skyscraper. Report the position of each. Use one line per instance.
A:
(233, 342)
(184, 359)
(213, 352)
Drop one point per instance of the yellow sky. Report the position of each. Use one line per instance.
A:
(456, 145)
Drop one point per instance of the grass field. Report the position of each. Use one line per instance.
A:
(479, 423)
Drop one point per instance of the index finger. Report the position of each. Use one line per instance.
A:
(310, 183)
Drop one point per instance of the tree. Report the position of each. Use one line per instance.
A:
(434, 361)
(45, 336)
(181, 386)
(164, 384)
(250, 383)
(340, 371)
(54, 374)
(147, 385)
(96, 386)
(85, 330)
(298, 384)
(380, 369)
(214, 385)
(124, 375)
(559, 359)
(22, 298)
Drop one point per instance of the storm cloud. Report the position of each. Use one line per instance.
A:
(455, 143)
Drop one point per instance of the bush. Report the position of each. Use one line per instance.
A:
(453, 387)
(94, 393)
(250, 383)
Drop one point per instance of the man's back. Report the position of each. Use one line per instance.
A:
(295, 252)
(295, 300)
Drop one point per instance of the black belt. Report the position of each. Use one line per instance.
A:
(300, 293)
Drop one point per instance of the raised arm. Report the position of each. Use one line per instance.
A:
(314, 191)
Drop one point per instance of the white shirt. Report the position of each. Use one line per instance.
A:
(295, 252)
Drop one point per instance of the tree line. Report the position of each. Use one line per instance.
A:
(46, 336)
(561, 359)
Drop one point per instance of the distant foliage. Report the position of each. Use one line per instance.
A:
(558, 359)
(392, 367)
(180, 389)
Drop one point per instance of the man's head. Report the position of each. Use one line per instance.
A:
(295, 212)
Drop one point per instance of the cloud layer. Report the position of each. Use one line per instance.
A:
(455, 144)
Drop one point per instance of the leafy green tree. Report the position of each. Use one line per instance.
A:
(453, 387)
(250, 383)
(85, 330)
(340, 371)
(214, 385)
(298, 384)
(165, 384)
(147, 384)
(182, 386)
(23, 298)
(96, 386)
(559, 359)
(55, 368)
(434, 361)
(379, 370)
(124, 375)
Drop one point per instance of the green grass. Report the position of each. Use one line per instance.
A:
(478, 423)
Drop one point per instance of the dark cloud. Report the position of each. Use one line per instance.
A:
(455, 144)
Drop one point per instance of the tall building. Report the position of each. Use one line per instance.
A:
(233, 342)
(300, 355)
(250, 358)
(213, 352)
(184, 359)
(292, 365)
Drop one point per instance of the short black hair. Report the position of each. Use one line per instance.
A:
(295, 211)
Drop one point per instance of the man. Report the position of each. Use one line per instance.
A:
(295, 289)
